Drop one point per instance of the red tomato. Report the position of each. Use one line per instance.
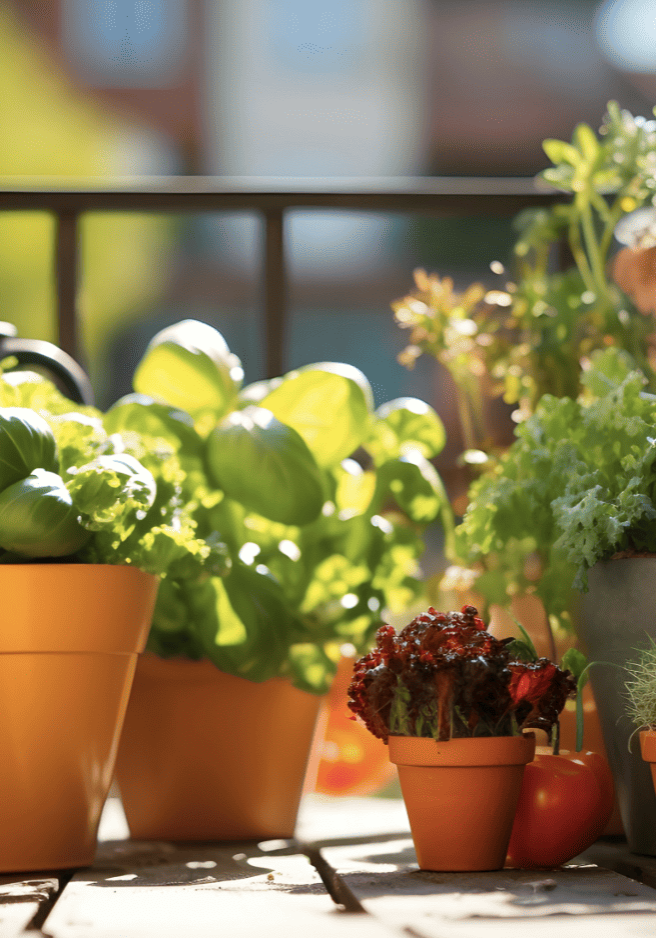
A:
(564, 805)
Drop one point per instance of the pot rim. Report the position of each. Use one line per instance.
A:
(645, 555)
(178, 668)
(78, 608)
(49, 564)
(475, 751)
(648, 745)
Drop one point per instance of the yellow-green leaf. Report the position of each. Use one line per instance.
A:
(329, 404)
(189, 366)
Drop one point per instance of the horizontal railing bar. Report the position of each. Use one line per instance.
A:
(68, 199)
(463, 195)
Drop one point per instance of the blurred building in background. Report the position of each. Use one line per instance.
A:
(287, 88)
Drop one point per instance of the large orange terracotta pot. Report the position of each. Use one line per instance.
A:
(461, 796)
(69, 638)
(205, 755)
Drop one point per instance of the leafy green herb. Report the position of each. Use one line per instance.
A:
(312, 545)
(576, 487)
(90, 500)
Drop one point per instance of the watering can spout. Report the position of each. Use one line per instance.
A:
(61, 366)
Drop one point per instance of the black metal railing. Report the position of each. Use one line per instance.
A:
(270, 198)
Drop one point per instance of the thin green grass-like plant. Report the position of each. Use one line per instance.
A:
(641, 688)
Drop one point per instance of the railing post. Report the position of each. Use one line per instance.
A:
(275, 292)
(66, 280)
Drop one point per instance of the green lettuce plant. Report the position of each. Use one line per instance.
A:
(70, 492)
(314, 502)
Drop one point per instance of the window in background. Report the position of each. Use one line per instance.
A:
(327, 89)
(626, 34)
(126, 43)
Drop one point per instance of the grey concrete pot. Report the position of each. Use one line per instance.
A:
(618, 614)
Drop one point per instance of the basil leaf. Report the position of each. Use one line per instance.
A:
(38, 518)
(138, 413)
(329, 404)
(238, 616)
(403, 423)
(414, 484)
(266, 466)
(26, 443)
(189, 366)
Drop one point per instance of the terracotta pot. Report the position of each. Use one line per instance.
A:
(208, 756)
(69, 637)
(648, 751)
(619, 612)
(461, 797)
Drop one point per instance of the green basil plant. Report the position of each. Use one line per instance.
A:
(285, 518)
(315, 501)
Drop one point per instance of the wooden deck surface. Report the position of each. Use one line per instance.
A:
(351, 871)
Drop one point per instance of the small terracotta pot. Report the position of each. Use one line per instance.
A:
(648, 751)
(69, 638)
(205, 755)
(461, 796)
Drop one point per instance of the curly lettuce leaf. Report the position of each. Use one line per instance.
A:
(113, 491)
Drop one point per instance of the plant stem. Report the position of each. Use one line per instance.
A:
(552, 640)
(463, 401)
(609, 229)
(579, 256)
(596, 263)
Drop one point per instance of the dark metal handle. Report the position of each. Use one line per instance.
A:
(57, 362)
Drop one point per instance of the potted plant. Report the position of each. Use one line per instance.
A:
(538, 331)
(641, 701)
(574, 496)
(547, 331)
(318, 503)
(85, 531)
(452, 702)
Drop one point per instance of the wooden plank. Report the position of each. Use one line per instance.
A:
(156, 890)
(582, 900)
(614, 854)
(22, 900)
(142, 890)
